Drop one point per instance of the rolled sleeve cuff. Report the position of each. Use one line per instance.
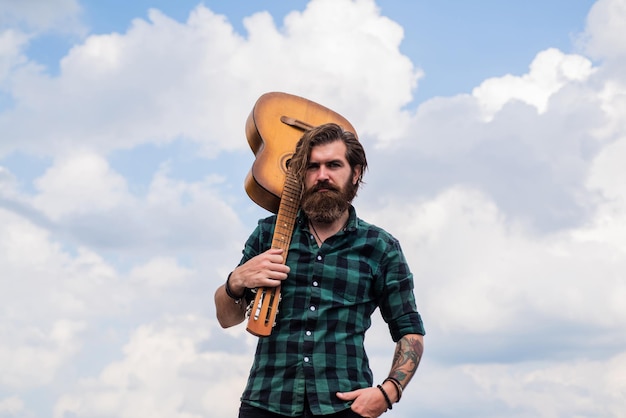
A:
(410, 323)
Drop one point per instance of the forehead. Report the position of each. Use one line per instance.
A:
(335, 150)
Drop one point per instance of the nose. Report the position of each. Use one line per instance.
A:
(322, 174)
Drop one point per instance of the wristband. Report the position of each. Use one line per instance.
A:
(397, 384)
(230, 293)
(389, 404)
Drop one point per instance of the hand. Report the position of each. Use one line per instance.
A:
(368, 402)
(264, 270)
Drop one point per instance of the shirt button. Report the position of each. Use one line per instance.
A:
(306, 359)
(315, 284)
(319, 258)
(312, 308)
(308, 333)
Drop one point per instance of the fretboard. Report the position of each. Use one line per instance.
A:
(287, 212)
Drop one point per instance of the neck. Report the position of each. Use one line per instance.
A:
(325, 230)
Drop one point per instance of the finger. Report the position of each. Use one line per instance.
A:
(269, 283)
(276, 277)
(273, 261)
(280, 270)
(347, 396)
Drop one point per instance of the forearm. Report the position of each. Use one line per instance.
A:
(372, 402)
(229, 313)
(406, 359)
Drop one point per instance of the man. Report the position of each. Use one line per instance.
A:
(339, 269)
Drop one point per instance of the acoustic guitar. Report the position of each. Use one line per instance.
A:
(273, 128)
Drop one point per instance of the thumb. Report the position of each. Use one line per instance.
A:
(347, 396)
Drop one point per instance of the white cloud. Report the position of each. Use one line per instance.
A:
(549, 72)
(556, 389)
(371, 65)
(31, 355)
(478, 273)
(11, 406)
(82, 194)
(605, 30)
(47, 297)
(11, 44)
(163, 80)
(532, 164)
(539, 389)
(53, 299)
(160, 272)
(79, 183)
(7, 182)
(166, 372)
(606, 174)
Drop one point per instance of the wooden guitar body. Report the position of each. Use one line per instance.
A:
(273, 129)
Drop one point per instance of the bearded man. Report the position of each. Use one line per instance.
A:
(339, 269)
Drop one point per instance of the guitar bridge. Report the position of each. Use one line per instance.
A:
(263, 310)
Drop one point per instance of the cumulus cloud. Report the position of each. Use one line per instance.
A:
(166, 370)
(81, 193)
(45, 302)
(535, 389)
(79, 184)
(608, 226)
(11, 406)
(11, 44)
(164, 79)
(605, 29)
(479, 274)
(549, 72)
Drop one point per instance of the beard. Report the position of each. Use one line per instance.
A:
(327, 206)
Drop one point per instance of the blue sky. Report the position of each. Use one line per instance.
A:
(495, 136)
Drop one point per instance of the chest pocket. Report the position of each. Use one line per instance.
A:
(348, 285)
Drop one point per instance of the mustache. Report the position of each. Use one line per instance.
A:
(323, 185)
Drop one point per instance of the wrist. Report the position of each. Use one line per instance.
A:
(394, 387)
(231, 293)
(386, 397)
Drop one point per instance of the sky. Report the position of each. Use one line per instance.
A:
(494, 132)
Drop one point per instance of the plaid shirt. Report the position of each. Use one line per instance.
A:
(316, 348)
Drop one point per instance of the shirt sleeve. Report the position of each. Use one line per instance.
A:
(396, 299)
(259, 241)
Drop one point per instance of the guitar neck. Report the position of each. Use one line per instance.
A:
(287, 212)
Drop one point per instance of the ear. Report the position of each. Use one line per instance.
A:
(356, 174)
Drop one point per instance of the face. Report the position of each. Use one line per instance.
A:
(329, 182)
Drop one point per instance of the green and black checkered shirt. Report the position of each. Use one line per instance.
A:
(316, 348)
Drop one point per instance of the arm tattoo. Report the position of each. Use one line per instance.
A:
(406, 359)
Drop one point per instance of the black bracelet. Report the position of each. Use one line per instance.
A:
(389, 404)
(230, 293)
(398, 385)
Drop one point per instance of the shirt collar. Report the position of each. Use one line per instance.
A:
(351, 225)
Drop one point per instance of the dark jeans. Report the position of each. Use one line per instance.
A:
(247, 411)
